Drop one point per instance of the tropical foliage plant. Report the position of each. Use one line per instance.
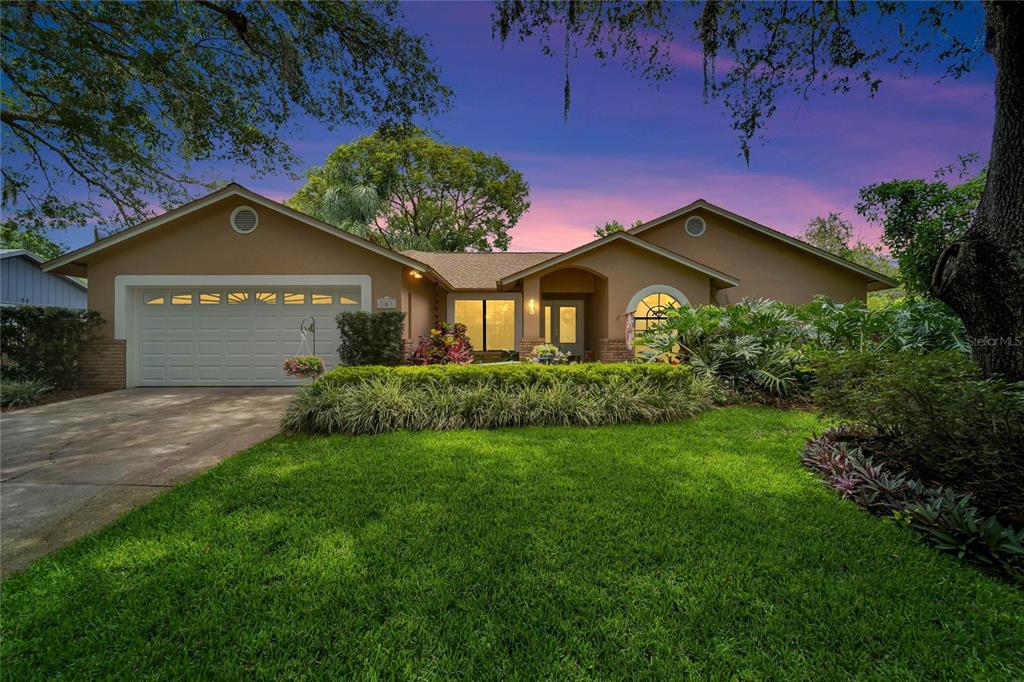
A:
(945, 518)
(446, 344)
(765, 346)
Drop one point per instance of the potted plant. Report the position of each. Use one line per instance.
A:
(548, 354)
(304, 366)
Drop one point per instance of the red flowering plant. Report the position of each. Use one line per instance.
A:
(446, 345)
(304, 366)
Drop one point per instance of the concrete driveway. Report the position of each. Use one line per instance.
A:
(69, 468)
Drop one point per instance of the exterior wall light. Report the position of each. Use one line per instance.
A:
(416, 274)
(532, 303)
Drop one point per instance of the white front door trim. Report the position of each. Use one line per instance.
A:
(126, 291)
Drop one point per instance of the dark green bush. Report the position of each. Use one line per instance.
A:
(44, 343)
(371, 338)
(934, 415)
(367, 400)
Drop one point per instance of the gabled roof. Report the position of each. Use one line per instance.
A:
(11, 253)
(767, 231)
(721, 279)
(233, 189)
(478, 270)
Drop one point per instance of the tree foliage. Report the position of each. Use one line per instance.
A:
(834, 234)
(613, 227)
(409, 191)
(921, 218)
(754, 53)
(14, 237)
(107, 105)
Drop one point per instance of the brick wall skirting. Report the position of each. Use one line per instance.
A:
(613, 350)
(102, 364)
(526, 347)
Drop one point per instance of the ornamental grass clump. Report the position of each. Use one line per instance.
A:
(365, 401)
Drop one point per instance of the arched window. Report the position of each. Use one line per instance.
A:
(651, 310)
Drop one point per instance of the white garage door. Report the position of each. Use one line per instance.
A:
(237, 336)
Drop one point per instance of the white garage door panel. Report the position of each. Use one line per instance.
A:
(232, 344)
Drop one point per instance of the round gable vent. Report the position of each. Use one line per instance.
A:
(695, 226)
(244, 219)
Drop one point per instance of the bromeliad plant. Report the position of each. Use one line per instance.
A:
(447, 344)
(304, 366)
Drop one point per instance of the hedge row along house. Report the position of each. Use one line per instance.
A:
(214, 292)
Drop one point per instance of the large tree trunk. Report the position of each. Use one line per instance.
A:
(982, 275)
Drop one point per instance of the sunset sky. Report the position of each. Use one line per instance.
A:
(630, 150)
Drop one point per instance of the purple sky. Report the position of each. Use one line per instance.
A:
(630, 150)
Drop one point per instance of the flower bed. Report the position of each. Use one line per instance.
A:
(368, 400)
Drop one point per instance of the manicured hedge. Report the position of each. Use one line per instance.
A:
(366, 400)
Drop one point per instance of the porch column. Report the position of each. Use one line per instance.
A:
(531, 315)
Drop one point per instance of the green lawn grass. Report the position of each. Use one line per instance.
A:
(697, 549)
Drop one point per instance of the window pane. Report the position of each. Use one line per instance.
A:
(154, 299)
(236, 297)
(345, 300)
(547, 324)
(322, 299)
(181, 299)
(471, 314)
(294, 299)
(209, 298)
(266, 297)
(567, 324)
(501, 325)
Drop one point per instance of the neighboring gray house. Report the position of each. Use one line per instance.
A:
(23, 283)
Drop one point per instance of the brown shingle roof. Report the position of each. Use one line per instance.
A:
(478, 270)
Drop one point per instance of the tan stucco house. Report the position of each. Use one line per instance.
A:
(214, 292)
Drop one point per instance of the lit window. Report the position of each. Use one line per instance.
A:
(181, 299)
(209, 299)
(322, 299)
(490, 324)
(650, 313)
(345, 300)
(547, 324)
(237, 297)
(266, 297)
(500, 317)
(154, 299)
(294, 299)
(471, 314)
(567, 324)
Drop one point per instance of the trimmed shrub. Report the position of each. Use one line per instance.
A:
(945, 518)
(371, 338)
(935, 416)
(20, 393)
(368, 400)
(44, 342)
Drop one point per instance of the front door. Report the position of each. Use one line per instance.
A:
(563, 326)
